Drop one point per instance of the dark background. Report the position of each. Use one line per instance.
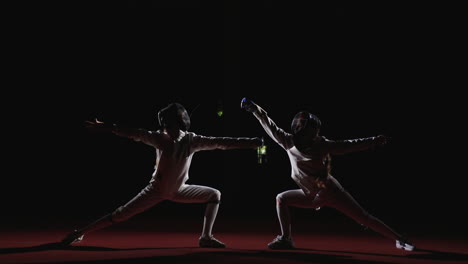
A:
(364, 69)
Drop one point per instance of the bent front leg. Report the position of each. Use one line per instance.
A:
(285, 199)
(202, 194)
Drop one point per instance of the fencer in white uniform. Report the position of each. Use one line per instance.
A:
(175, 147)
(310, 158)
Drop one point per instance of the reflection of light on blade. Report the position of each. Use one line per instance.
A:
(220, 113)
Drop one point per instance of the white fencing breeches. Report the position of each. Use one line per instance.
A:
(335, 197)
(152, 195)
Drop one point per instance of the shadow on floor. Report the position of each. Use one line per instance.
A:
(228, 256)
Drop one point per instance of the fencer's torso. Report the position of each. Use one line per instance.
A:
(174, 156)
(309, 166)
(173, 159)
(307, 169)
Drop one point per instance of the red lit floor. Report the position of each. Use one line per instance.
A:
(156, 247)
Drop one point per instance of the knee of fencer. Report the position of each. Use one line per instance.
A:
(117, 216)
(215, 197)
(279, 199)
(365, 221)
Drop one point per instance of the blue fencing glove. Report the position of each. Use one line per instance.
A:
(248, 105)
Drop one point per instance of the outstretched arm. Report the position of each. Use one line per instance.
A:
(137, 134)
(210, 143)
(281, 137)
(99, 126)
(354, 145)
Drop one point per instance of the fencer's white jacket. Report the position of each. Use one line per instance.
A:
(173, 157)
(306, 167)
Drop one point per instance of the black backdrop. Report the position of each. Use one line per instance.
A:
(363, 69)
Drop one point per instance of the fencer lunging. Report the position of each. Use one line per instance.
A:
(175, 147)
(310, 156)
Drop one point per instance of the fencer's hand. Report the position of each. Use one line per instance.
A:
(97, 125)
(381, 140)
(259, 141)
(248, 105)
